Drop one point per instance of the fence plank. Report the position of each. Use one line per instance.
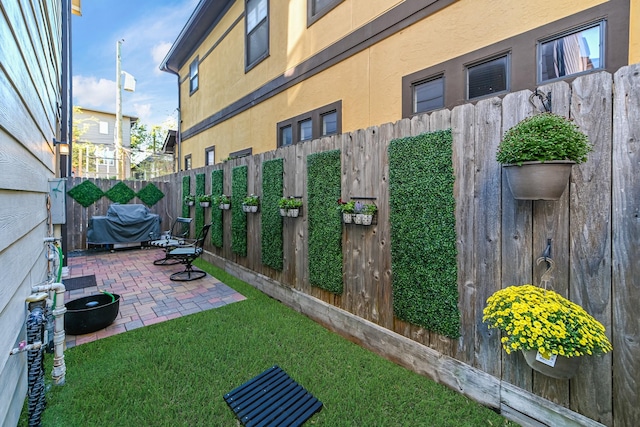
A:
(591, 108)
(440, 120)
(517, 238)
(551, 222)
(463, 124)
(488, 130)
(419, 124)
(626, 250)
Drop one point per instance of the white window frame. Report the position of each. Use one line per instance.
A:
(103, 127)
(602, 49)
(254, 21)
(194, 73)
(414, 100)
(507, 57)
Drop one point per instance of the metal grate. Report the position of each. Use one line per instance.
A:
(272, 399)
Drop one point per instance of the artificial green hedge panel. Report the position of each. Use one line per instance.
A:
(216, 230)
(150, 194)
(120, 193)
(186, 188)
(423, 232)
(86, 193)
(199, 209)
(238, 217)
(325, 226)
(271, 230)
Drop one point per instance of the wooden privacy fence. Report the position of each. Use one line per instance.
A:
(594, 231)
(78, 216)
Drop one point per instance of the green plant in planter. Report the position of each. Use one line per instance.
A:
(201, 198)
(251, 200)
(222, 199)
(543, 137)
(369, 209)
(290, 203)
(189, 199)
(347, 207)
(295, 203)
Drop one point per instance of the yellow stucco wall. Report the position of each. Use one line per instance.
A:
(634, 32)
(368, 83)
(222, 78)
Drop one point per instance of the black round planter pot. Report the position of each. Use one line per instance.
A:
(90, 314)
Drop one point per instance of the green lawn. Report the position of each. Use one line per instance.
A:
(176, 372)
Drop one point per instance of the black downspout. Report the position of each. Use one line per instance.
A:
(66, 130)
(179, 134)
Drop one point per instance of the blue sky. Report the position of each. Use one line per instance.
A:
(149, 28)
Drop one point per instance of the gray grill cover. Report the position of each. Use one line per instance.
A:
(123, 224)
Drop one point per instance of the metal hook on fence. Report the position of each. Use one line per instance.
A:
(546, 276)
(545, 100)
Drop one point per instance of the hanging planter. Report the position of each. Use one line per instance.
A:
(223, 201)
(538, 180)
(189, 200)
(250, 204)
(204, 200)
(290, 206)
(552, 332)
(538, 153)
(364, 213)
(555, 366)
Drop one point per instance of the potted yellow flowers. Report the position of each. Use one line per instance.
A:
(550, 330)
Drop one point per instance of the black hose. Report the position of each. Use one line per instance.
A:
(35, 363)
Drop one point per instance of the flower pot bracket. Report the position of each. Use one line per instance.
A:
(374, 219)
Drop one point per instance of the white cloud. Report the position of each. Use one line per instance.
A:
(159, 51)
(142, 111)
(147, 39)
(95, 93)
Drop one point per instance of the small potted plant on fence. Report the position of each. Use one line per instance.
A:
(204, 200)
(294, 206)
(347, 209)
(290, 206)
(223, 201)
(538, 153)
(250, 203)
(368, 210)
(189, 200)
(283, 204)
(358, 213)
(552, 332)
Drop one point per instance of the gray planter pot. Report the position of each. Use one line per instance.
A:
(563, 367)
(537, 180)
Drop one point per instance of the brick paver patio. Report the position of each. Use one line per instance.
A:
(147, 295)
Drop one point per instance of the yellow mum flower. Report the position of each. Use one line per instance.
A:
(533, 317)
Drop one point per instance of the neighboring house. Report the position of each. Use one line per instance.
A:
(151, 165)
(95, 151)
(254, 75)
(169, 147)
(35, 92)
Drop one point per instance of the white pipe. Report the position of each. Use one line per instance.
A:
(59, 367)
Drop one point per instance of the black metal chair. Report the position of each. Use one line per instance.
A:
(171, 239)
(186, 255)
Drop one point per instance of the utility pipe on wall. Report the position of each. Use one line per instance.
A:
(59, 367)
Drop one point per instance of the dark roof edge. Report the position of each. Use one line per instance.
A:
(204, 18)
